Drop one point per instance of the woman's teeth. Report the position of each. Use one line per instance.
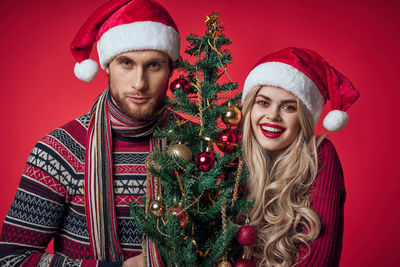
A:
(271, 129)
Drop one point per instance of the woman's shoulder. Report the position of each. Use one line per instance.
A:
(327, 151)
(326, 144)
(329, 180)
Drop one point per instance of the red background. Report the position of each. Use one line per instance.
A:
(360, 38)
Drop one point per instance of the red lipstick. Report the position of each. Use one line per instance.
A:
(272, 130)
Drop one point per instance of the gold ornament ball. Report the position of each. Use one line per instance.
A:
(224, 264)
(156, 208)
(232, 115)
(180, 151)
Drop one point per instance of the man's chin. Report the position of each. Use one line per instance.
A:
(138, 112)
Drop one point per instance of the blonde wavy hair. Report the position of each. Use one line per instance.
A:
(280, 188)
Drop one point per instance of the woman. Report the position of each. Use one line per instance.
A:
(295, 177)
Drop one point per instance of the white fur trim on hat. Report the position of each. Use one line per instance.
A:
(335, 120)
(142, 35)
(289, 78)
(86, 70)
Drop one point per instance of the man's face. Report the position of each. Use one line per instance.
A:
(138, 81)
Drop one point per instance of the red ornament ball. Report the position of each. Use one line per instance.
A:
(227, 139)
(205, 161)
(180, 83)
(246, 235)
(243, 263)
(180, 215)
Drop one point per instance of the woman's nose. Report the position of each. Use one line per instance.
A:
(273, 114)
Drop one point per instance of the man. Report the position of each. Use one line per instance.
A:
(79, 178)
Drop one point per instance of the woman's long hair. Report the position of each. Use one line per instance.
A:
(280, 188)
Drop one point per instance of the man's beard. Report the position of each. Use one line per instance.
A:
(142, 112)
(139, 112)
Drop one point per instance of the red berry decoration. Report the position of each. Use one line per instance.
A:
(227, 141)
(234, 162)
(180, 83)
(246, 235)
(243, 263)
(205, 161)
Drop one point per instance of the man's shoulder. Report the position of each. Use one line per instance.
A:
(82, 122)
(74, 131)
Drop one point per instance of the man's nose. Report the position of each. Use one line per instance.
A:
(139, 81)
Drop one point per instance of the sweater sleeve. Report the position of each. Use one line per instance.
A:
(36, 214)
(327, 200)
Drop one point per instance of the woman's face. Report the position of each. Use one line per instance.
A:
(274, 118)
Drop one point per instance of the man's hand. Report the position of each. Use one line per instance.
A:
(136, 261)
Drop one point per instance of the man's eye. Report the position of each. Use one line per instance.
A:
(154, 65)
(126, 62)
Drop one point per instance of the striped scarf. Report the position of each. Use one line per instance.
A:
(99, 190)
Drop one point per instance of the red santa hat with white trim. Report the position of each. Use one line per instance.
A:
(311, 78)
(121, 26)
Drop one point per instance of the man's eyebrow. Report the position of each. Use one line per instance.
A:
(123, 58)
(158, 60)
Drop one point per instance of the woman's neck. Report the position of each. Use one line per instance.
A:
(273, 155)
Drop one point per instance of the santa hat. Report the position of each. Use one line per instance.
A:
(121, 26)
(308, 76)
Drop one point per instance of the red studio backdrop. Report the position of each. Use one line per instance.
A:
(360, 38)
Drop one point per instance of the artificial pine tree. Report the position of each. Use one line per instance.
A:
(193, 188)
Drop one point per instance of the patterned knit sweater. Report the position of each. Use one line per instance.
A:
(49, 202)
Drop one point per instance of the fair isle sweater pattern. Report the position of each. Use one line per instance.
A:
(49, 202)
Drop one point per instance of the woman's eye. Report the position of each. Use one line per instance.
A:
(289, 108)
(261, 102)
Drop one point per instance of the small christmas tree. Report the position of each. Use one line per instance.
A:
(193, 198)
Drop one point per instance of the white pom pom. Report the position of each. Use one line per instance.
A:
(335, 120)
(86, 70)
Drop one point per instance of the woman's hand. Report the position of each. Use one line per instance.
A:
(136, 261)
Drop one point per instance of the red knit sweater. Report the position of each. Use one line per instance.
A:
(327, 199)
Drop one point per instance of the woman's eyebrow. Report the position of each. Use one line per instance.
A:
(263, 96)
(284, 101)
(288, 101)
